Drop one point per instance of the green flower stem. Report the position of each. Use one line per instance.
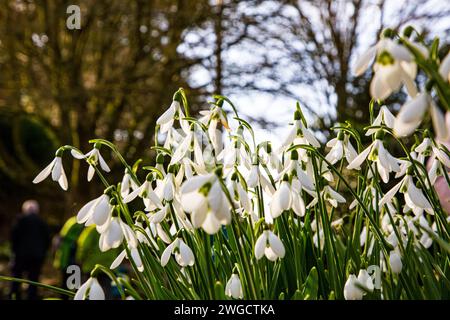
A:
(38, 284)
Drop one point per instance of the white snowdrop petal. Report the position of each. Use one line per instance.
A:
(96, 291)
(103, 164)
(81, 292)
(276, 245)
(356, 163)
(118, 260)
(211, 225)
(56, 171)
(86, 210)
(166, 255)
(260, 245)
(186, 254)
(44, 173)
(363, 62)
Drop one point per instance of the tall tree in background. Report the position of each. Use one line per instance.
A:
(305, 49)
(111, 79)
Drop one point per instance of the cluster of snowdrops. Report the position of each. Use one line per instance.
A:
(220, 216)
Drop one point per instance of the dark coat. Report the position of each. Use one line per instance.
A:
(30, 237)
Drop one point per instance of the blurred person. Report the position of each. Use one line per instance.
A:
(30, 240)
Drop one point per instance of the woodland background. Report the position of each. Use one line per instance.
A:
(116, 75)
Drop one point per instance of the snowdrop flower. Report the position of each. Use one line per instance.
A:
(234, 288)
(384, 117)
(166, 120)
(234, 154)
(113, 236)
(395, 262)
(288, 197)
(281, 199)
(188, 144)
(414, 197)
(256, 178)
(376, 152)
(444, 68)
(412, 113)
(55, 168)
(114, 233)
(340, 147)
(394, 67)
(183, 254)
(203, 197)
(300, 134)
(351, 289)
(91, 290)
(439, 159)
(294, 167)
(145, 191)
(93, 157)
(270, 245)
(239, 194)
(96, 212)
(329, 195)
(127, 184)
(134, 256)
(211, 118)
(271, 158)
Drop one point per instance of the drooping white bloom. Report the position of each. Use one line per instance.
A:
(146, 192)
(96, 212)
(438, 158)
(256, 178)
(415, 200)
(112, 236)
(351, 289)
(281, 199)
(136, 258)
(444, 68)
(55, 168)
(211, 119)
(395, 262)
(182, 253)
(234, 288)
(340, 147)
(376, 152)
(91, 290)
(203, 197)
(394, 67)
(332, 196)
(300, 134)
(270, 245)
(412, 113)
(166, 120)
(233, 155)
(189, 144)
(240, 196)
(384, 117)
(94, 158)
(127, 184)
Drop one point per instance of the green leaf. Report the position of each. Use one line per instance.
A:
(311, 285)
(435, 49)
(219, 291)
(297, 295)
